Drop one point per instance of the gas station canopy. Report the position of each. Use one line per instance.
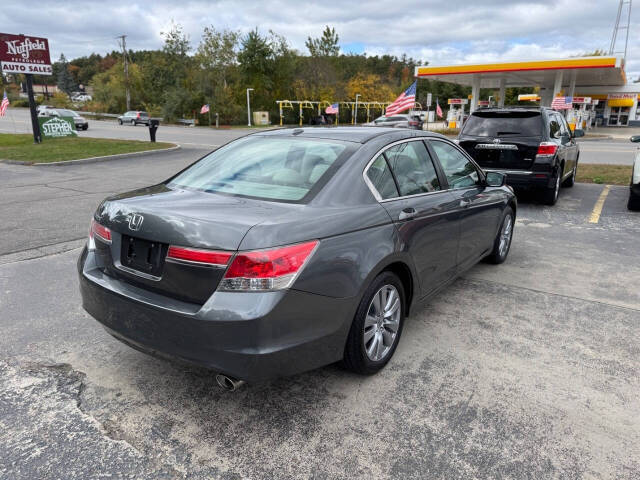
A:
(551, 76)
(589, 71)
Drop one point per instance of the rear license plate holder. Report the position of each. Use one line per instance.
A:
(143, 255)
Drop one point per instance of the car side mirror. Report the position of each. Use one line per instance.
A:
(578, 132)
(635, 138)
(495, 179)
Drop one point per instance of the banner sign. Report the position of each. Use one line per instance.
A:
(457, 101)
(483, 103)
(585, 100)
(24, 54)
(620, 96)
(56, 127)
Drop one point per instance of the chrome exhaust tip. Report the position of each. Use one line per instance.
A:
(228, 383)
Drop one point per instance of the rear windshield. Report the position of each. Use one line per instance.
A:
(271, 168)
(498, 124)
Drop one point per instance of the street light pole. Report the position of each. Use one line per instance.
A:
(248, 108)
(355, 117)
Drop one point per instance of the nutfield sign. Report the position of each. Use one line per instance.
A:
(24, 54)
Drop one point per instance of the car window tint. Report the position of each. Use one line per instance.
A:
(380, 177)
(459, 170)
(499, 124)
(266, 168)
(564, 128)
(413, 168)
(554, 126)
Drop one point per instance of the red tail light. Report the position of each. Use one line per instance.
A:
(195, 255)
(262, 270)
(547, 148)
(100, 231)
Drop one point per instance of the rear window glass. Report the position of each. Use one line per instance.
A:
(283, 169)
(498, 124)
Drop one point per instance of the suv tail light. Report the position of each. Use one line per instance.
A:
(547, 149)
(413, 123)
(264, 270)
(195, 255)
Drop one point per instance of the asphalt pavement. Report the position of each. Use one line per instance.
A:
(530, 369)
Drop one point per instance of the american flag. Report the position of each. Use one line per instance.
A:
(561, 103)
(404, 102)
(204, 109)
(438, 109)
(4, 105)
(334, 108)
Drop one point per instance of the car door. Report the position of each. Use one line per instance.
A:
(410, 189)
(568, 146)
(479, 208)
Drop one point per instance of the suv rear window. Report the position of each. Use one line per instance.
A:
(282, 169)
(498, 124)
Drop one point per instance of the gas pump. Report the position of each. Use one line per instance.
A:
(578, 114)
(455, 116)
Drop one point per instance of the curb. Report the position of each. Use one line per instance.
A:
(596, 139)
(104, 158)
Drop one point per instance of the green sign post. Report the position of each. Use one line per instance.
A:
(56, 127)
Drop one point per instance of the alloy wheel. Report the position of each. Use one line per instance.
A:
(382, 323)
(505, 236)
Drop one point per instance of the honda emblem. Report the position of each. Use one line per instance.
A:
(135, 221)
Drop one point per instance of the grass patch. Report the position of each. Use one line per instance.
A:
(603, 173)
(22, 148)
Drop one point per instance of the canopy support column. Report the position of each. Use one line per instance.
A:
(475, 93)
(501, 94)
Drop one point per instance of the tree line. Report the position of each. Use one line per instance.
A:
(176, 80)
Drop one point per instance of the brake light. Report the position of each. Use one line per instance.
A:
(262, 270)
(547, 148)
(195, 255)
(100, 231)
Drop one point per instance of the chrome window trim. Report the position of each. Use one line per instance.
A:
(506, 171)
(373, 189)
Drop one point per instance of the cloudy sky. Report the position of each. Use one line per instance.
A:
(440, 32)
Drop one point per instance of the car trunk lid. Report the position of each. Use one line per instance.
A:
(144, 229)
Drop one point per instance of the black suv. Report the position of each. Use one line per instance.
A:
(533, 146)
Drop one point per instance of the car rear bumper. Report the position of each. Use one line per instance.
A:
(525, 178)
(250, 336)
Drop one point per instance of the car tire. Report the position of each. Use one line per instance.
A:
(550, 195)
(120, 122)
(372, 341)
(569, 182)
(85, 127)
(633, 203)
(502, 242)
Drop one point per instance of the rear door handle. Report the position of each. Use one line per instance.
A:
(407, 213)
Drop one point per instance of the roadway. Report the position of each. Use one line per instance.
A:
(610, 151)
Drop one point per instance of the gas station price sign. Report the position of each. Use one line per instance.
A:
(24, 54)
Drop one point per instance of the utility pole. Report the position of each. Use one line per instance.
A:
(248, 108)
(123, 43)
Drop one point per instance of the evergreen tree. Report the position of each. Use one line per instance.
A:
(66, 83)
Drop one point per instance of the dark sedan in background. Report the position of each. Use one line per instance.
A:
(291, 249)
(533, 146)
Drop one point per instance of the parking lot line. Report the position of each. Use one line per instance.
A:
(597, 208)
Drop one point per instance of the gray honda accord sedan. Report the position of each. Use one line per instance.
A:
(290, 249)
